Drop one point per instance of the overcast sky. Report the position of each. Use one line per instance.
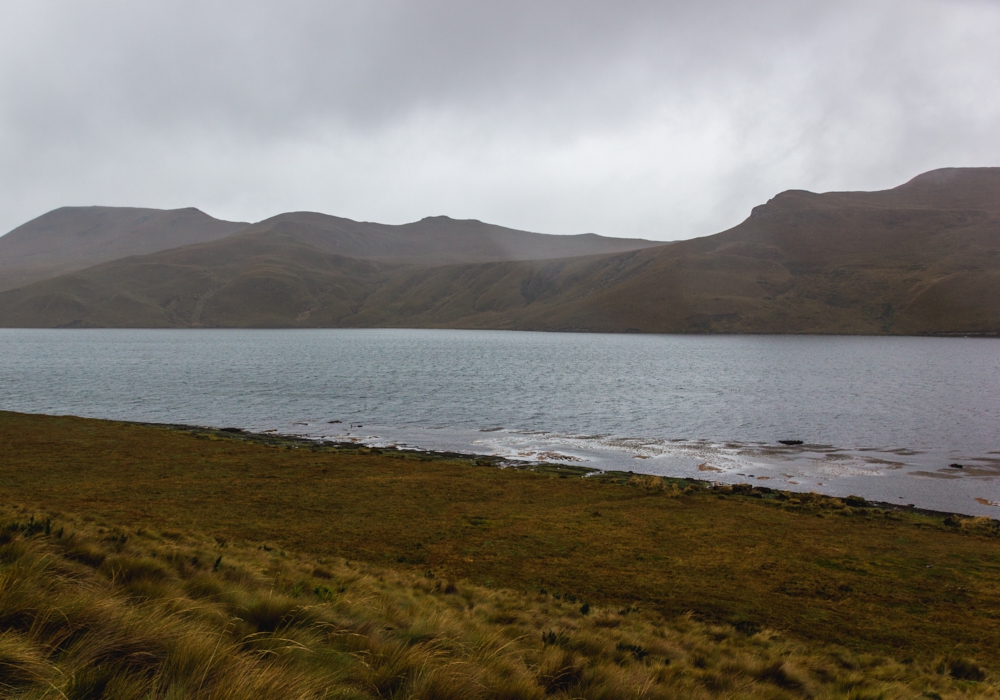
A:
(664, 120)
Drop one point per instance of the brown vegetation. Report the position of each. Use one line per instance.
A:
(90, 611)
(828, 571)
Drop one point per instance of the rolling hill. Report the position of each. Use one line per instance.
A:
(921, 258)
(436, 240)
(74, 238)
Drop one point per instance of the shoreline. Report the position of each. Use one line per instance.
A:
(741, 555)
(541, 467)
(994, 335)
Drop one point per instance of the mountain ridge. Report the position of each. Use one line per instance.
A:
(921, 258)
(437, 239)
(73, 238)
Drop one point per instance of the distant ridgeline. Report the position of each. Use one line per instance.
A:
(922, 258)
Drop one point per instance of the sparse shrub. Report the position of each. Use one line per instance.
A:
(324, 593)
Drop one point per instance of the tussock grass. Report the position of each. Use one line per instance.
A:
(166, 617)
(209, 564)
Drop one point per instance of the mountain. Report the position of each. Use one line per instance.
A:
(254, 280)
(73, 238)
(920, 258)
(923, 257)
(436, 240)
(293, 269)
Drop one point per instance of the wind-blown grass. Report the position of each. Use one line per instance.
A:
(95, 612)
(470, 573)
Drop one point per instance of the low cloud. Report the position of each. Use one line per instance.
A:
(662, 120)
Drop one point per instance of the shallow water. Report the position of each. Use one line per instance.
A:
(879, 417)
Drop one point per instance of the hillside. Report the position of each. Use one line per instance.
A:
(436, 240)
(256, 280)
(73, 238)
(923, 257)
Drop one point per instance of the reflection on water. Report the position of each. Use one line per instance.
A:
(879, 417)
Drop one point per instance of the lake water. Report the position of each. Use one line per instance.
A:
(879, 417)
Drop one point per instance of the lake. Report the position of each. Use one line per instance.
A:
(881, 417)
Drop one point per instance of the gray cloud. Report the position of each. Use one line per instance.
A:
(659, 119)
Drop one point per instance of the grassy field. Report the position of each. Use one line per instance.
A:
(771, 575)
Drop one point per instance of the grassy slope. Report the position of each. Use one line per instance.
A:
(921, 258)
(269, 281)
(875, 582)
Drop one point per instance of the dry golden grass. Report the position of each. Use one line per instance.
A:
(765, 581)
(92, 611)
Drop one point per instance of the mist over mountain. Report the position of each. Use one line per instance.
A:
(436, 240)
(920, 258)
(72, 238)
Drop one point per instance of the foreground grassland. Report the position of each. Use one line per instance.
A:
(475, 581)
(89, 611)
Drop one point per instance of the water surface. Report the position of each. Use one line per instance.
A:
(879, 417)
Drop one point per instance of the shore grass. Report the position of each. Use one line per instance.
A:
(89, 611)
(914, 587)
